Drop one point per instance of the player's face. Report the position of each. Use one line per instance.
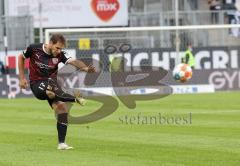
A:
(55, 49)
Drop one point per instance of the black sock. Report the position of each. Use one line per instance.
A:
(62, 130)
(62, 127)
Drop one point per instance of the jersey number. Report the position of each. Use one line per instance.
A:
(42, 86)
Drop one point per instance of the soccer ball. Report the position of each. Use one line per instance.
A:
(182, 72)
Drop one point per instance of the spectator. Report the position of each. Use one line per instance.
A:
(189, 57)
(2, 68)
(214, 6)
(236, 20)
(230, 8)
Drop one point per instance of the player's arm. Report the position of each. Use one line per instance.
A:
(81, 65)
(22, 79)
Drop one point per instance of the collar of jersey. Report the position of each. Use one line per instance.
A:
(45, 50)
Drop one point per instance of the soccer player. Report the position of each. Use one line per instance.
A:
(43, 68)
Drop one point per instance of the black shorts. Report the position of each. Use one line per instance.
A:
(39, 90)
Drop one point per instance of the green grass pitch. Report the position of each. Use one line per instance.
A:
(210, 137)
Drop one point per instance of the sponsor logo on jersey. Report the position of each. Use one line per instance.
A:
(54, 60)
(43, 66)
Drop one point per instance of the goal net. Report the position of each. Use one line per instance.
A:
(215, 48)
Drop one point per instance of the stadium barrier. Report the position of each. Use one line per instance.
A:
(217, 66)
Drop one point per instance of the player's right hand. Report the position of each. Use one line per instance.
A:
(91, 69)
(23, 83)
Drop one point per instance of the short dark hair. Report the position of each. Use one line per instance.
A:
(57, 37)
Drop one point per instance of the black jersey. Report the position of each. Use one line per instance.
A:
(42, 65)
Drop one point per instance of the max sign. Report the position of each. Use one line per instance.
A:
(105, 9)
(72, 13)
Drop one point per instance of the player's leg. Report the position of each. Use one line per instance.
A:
(55, 91)
(43, 90)
(59, 95)
(65, 97)
(61, 110)
(40, 91)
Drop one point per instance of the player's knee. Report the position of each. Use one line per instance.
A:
(60, 108)
(50, 94)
